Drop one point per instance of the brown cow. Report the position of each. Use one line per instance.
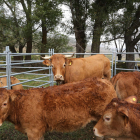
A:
(127, 84)
(61, 108)
(14, 80)
(76, 69)
(120, 119)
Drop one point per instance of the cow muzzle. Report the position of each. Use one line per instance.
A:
(58, 78)
(0, 122)
(96, 133)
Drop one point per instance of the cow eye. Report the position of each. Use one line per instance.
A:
(107, 119)
(64, 65)
(4, 104)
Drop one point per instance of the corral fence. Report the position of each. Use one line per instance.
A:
(32, 73)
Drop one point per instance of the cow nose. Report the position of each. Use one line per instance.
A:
(58, 77)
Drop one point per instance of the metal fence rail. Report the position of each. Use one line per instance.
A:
(17, 68)
(126, 61)
(14, 68)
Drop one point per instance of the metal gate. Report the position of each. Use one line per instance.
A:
(10, 67)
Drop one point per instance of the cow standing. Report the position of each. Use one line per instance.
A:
(76, 69)
(120, 119)
(61, 108)
(127, 84)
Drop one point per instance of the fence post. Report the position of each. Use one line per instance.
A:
(8, 67)
(115, 62)
(50, 69)
(112, 63)
(52, 52)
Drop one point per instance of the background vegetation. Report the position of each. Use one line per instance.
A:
(35, 24)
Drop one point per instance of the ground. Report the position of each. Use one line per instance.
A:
(8, 132)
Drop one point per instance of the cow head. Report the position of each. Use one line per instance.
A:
(5, 101)
(58, 63)
(115, 119)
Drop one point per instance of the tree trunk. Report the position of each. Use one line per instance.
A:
(79, 17)
(130, 57)
(44, 38)
(29, 48)
(80, 43)
(119, 56)
(97, 31)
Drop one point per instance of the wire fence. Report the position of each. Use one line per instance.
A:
(32, 73)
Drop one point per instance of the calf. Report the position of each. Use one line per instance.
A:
(120, 119)
(61, 108)
(14, 80)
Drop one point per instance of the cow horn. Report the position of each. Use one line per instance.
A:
(46, 57)
(67, 56)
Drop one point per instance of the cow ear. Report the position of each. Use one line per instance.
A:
(47, 62)
(69, 62)
(132, 99)
(124, 112)
(13, 96)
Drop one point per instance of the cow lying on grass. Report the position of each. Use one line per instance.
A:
(120, 119)
(76, 69)
(127, 84)
(61, 108)
(14, 80)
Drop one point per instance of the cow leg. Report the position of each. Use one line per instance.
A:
(34, 135)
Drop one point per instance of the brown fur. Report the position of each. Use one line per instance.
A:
(127, 84)
(77, 69)
(124, 120)
(14, 80)
(61, 108)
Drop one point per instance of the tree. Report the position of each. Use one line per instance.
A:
(79, 11)
(11, 27)
(22, 23)
(125, 26)
(100, 13)
(50, 18)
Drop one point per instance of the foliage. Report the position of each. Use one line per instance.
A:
(56, 41)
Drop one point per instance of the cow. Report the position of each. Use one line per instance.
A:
(71, 70)
(120, 119)
(14, 80)
(127, 84)
(62, 108)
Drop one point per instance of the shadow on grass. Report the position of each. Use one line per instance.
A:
(8, 132)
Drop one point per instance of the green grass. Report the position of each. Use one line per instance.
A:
(32, 83)
(8, 132)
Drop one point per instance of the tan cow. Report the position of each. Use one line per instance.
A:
(14, 80)
(61, 108)
(76, 69)
(120, 119)
(127, 84)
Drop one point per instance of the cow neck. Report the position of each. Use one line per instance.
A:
(67, 74)
(13, 112)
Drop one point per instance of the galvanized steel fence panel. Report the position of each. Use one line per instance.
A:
(9, 64)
